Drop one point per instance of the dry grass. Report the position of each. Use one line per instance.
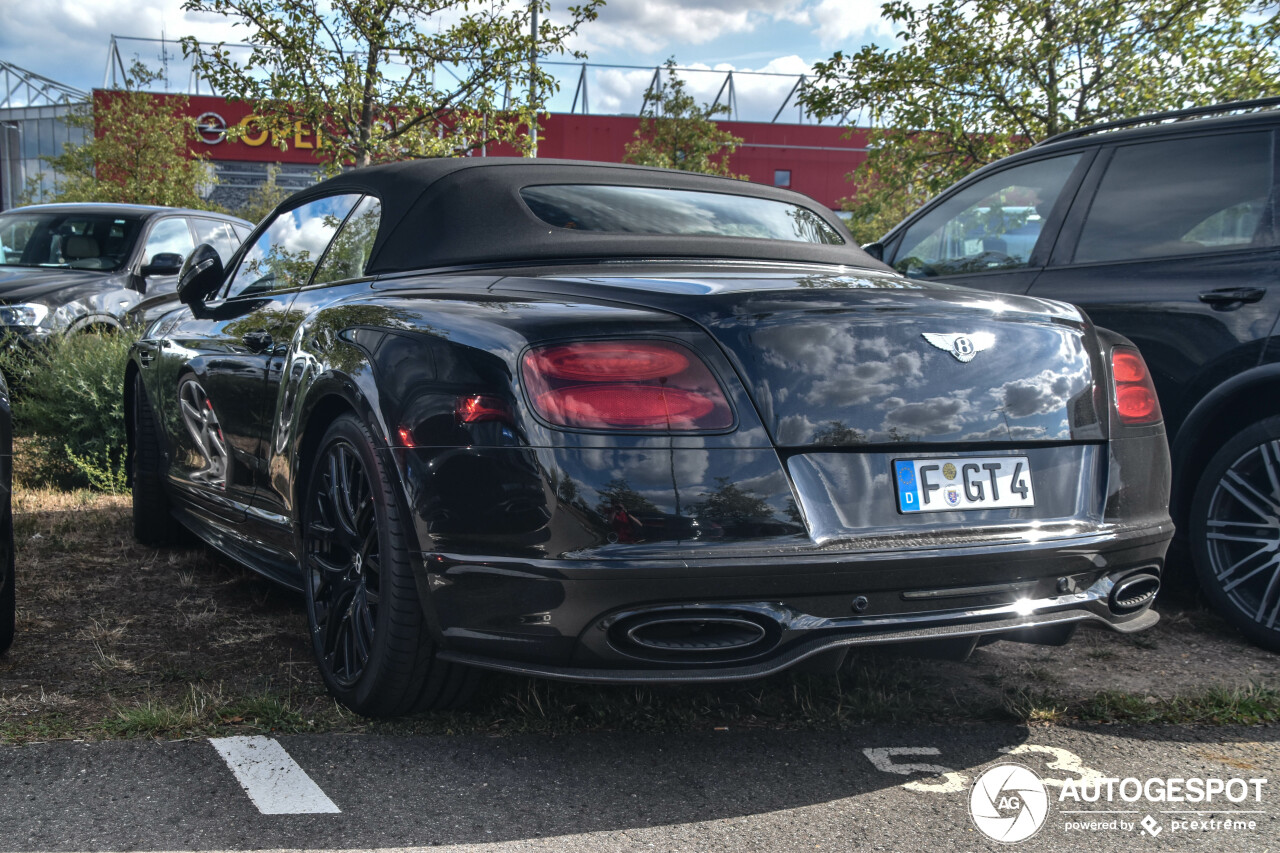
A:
(106, 626)
(119, 640)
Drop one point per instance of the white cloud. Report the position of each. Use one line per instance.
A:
(651, 25)
(67, 40)
(849, 23)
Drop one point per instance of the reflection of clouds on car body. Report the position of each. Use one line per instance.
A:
(1047, 391)
(935, 416)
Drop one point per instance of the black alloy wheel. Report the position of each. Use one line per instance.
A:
(368, 631)
(1235, 532)
(202, 423)
(344, 564)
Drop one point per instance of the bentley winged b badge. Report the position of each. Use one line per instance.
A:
(963, 346)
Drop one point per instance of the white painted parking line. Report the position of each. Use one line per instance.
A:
(271, 778)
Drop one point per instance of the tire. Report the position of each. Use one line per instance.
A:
(8, 595)
(1235, 532)
(152, 522)
(367, 627)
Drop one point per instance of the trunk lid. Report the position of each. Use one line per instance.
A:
(840, 359)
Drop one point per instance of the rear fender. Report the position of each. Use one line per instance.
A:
(1243, 399)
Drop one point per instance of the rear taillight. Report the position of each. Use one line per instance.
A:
(625, 385)
(1136, 401)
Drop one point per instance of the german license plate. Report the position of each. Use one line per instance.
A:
(963, 483)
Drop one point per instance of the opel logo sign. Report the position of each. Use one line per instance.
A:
(211, 127)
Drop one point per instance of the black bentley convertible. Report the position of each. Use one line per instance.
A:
(621, 424)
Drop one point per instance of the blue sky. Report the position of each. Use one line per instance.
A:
(67, 39)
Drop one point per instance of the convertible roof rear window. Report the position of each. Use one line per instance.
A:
(656, 210)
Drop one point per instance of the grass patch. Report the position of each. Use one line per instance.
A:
(204, 712)
(1215, 706)
(875, 689)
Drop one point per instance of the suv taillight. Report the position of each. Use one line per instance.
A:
(625, 385)
(1136, 402)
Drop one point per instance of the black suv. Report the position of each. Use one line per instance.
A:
(72, 267)
(1165, 228)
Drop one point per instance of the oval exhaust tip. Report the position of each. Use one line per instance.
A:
(695, 633)
(1134, 593)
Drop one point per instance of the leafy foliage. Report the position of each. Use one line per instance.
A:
(68, 398)
(971, 81)
(264, 197)
(676, 132)
(138, 150)
(387, 79)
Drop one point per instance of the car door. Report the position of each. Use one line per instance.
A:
(1172, 242)
(993, 232)
(339, 275)
(215, 358)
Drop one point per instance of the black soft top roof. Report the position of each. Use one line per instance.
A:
(467, 211)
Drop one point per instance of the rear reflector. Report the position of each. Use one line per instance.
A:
(1136, 401)
(625, 385)
(478, 408)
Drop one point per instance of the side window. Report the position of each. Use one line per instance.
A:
(168, 236)
(350, 250)
(1181, 196)
(287, 252)
(990, 225)
(217, 234)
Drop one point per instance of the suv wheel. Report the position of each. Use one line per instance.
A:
(1235, 532)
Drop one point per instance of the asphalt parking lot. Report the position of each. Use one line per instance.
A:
(733, 790)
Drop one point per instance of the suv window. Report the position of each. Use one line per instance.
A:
(1181, 196)
(168, 236)
(219, 235)
(989, 225)
(286, 253)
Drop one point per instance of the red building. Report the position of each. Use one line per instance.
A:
(811, 159)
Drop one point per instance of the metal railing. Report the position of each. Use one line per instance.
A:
(23, 88)
(758, 96)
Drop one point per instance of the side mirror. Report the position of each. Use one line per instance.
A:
(201, 275)
(875, 250)
(165, 263)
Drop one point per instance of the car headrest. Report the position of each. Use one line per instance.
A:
(78, 246)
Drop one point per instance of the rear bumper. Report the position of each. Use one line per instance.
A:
(800, 652)
(576, 622)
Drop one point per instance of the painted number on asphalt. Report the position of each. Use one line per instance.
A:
(885, 759)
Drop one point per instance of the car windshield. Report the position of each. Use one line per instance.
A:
(652, 210)
(68, 240)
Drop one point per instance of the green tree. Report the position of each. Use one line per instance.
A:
(264, 197)
(382, 80)
(970, 81)
(676, 132)
(138, 150)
